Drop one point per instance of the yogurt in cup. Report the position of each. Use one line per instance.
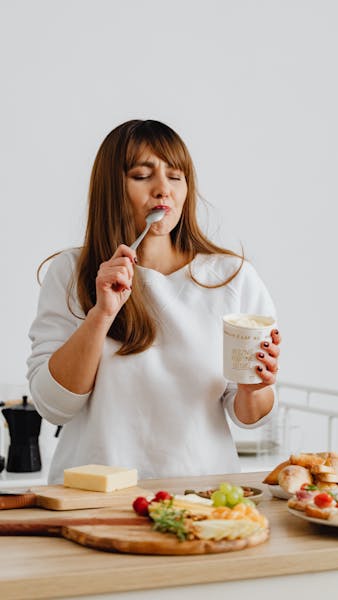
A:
(242, 336)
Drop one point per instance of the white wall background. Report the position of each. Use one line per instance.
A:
(252, 88)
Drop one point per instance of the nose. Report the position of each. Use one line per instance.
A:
(161, 187)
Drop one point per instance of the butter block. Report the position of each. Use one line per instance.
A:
(99, 478)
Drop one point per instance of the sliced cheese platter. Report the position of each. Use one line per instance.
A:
(143, 539)
(136, 522)
(116, 531)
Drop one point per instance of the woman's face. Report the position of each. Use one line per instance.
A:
(152, 183)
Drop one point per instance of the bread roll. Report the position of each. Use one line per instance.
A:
(293, 502)
(323, 454)
(318, 469)
(317, 513)
(325, 485)
(272, 478)
(332, 461)
(307, 460)
(328, 477)
(292, 477)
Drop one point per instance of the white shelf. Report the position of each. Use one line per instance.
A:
(9, 480)
(260, 462)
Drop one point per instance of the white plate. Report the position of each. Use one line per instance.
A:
(278, 492)
(256, 497)
(302, 515)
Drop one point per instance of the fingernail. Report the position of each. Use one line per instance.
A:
(260, 354)
(135, 260)
(260, 369)
(276, 331)
(266, 344)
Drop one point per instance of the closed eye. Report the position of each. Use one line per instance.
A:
(175, 174)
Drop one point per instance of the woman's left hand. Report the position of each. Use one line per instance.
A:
(268, 367)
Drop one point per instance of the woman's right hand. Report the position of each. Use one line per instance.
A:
(114, 282)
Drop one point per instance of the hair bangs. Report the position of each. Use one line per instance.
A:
(162, 141)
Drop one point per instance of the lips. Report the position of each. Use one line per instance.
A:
(162, 207)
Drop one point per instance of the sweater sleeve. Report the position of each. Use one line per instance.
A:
(253, 298)
(53, 325)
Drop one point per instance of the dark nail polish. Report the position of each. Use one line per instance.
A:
(276, 332)
(135, 260)
(266, 344)
(260, 369)
(260, 354)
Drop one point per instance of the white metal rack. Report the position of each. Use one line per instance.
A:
(286, 406)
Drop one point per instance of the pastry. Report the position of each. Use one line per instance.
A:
(292, 477)
(272, 478)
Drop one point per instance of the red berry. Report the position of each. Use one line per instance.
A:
(140, 506)
(162, 496)
(323, 500)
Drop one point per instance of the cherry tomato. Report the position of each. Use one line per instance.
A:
(140, 506)
(161, 495)
(323, 500)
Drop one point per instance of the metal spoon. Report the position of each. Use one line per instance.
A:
(155, 215)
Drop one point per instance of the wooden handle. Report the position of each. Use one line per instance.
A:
(54, 526)
(17, 501)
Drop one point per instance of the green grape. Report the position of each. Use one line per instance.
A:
(248, 501)
(218, 498)
(225, 487)
(239, 490)
(233, 498)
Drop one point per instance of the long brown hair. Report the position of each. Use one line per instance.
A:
(110, 223)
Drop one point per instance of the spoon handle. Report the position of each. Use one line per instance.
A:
(140, 237)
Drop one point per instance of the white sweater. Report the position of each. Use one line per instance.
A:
(162, 411)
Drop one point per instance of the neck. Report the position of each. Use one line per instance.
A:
(157, 253)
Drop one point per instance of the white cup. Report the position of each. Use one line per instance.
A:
(242, 336)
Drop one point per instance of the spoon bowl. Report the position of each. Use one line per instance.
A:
(155, 215)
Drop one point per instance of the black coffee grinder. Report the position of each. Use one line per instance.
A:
(24, 424)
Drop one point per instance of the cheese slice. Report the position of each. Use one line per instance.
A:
(99, 478)
(198, 508)
(219, 529)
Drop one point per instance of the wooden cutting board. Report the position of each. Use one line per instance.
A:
(59, 497)
(112, 530)
(37, 521)
(142, 539)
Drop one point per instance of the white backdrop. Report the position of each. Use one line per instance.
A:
(251, 86)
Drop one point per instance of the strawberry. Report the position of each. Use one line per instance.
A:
(140, 506)
(161, 495)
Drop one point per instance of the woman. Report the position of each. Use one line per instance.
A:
(126, 346)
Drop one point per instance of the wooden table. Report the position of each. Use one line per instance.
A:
(32, 568)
